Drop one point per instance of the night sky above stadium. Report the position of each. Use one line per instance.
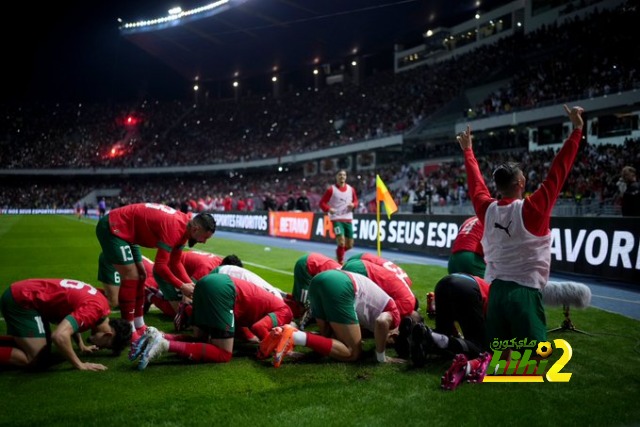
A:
(73, 50)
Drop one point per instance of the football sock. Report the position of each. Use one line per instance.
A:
(138, 322)
(340, 254)
(127, 299)
(164, 305)
(199, 352)
(317, 343)
(442, 341)
(300, 338)
(5, 355)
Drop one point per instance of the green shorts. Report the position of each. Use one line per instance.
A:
(214, 299)
(301, 280)
(170, 292)
(356, 266)
(22, 322)
(107, 272)
(343, 229)
(467, 262)
(116, 250)
(333, 298)
(515, 311)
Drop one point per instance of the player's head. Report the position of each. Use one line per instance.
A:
(341, 177)
(203, 226)
(509, 179)
(111, 333)
(629, 174)
(232, 260)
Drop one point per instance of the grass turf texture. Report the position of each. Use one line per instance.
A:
(315, 391)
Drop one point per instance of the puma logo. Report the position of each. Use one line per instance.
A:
(501, 227)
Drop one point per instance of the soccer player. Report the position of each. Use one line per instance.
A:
(342, 302)
(394, 283)
(30, 305)
(305, 269)
(197, 264)
(151, 225)
(391, 281)
(467, 255)
(340, 200)
(517, 239)
(221, 303)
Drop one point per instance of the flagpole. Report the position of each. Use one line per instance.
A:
(378, 219)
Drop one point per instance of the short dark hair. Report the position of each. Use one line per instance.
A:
(232, 260)
(206, 221)
(121, 336)
(505, 174)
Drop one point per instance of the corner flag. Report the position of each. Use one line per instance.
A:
(382, 195)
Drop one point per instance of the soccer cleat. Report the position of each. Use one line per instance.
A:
(181, 320)
(477, 375)
(149, 293)
(269, 344)
(421, 344)
(285, 345)
(154, 349)
(138, 346)
(404, 340)
(456, 373)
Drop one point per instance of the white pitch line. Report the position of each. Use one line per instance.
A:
(288, 273)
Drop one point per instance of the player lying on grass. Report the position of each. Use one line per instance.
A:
(221, 304)
(30, 305)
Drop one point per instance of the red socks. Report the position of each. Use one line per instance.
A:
(340, 254)
(127, 299)
(199, 352)
(164, 305)
(5, 355)
(319, 343)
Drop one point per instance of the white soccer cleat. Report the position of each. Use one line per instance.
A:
(154, 349)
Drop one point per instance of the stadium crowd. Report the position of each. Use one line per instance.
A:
(169, 133)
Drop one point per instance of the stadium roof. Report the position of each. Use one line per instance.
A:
(255, 37)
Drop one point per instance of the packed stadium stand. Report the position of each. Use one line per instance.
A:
(54, 154)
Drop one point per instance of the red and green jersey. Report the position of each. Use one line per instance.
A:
(390, 280)
(155, 226)
(198, 264)
(374, 259)
(469, 237)
(253, 302)
(58, 299)
(306, 268)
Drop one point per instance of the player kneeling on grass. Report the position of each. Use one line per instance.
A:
(221, 304)
(342, 302)
(30, 305)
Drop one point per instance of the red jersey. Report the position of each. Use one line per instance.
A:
(58, 299)
(253, 303)
(386, 264)
(317, 263)
(392, 281)
(342, 196)
(155, 226)
(469, 237)
(148, 267)
(198, 264)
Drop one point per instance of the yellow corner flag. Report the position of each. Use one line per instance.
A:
(382, 195)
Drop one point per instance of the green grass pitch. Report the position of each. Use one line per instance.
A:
(314, 391)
